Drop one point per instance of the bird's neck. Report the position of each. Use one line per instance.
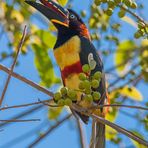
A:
(63, 36)
(66, 34)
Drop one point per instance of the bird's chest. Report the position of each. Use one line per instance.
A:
(68, 53)
(68, 59)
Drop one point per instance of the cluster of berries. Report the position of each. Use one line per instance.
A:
(88, 87)
(142, 30)
(113, 3)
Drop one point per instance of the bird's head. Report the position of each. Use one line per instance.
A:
(65, 20)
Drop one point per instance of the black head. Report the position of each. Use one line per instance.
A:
(63, 19)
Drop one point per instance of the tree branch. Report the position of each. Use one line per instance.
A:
(13, 65)
(15, 120)
(112, 125)
(49, 131)
(23, 114)
(27, 81)
(133, 14)
(81, 133)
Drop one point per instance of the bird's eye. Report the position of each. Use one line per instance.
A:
(72, 16)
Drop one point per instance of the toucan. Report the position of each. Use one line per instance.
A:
(72, 50)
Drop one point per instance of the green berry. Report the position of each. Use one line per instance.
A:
(133, 5)
(95, 83)
(127, 2)
(68, 101)
(96, 96)
(82, 76)
(3, 55)
(88, 98)
(104, 1)
(72, 95)
(117, 1)
(97, 2)
(86, 68)
(83, 13)
(61, 102)
(111, 4)
(109, 11)
(141, 25)
(137, 35)
(81, 85)
(63, 91)
(97, 75)
(87, 84)
(57, 96)
(121, 13)
(88, 91)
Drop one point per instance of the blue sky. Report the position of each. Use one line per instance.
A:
(19, 93)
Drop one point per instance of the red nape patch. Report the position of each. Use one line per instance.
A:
(84, 31)
(74, 68)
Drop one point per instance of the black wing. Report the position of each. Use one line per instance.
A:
(86, 48)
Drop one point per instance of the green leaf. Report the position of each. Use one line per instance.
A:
(46, 38)
(123, 54)
(44, 66)
(54, 112)
(62, 2)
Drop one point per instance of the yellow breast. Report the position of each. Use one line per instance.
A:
(68, 53)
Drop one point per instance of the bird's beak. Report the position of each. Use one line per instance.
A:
(53, 11)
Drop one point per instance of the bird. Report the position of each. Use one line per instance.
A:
(72, 50)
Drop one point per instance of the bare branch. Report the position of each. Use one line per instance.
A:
(27, 81)
(112, 125)
(24, 105)
(13, 65)
(120, 129)
(81, 133)
(119, 105)
(133, 14)
(23, 114)
(49, 131)
(15, 120)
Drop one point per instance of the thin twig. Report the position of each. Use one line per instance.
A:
(26, 135)
(49, 131)
(23, 114)
(133, 14)
(27, 81)
(13, 65)
(23, 105)
(15, 120)
(120, 129)
(81, 133)
(118, 79)
(112, 125)
(47, 103)
(118, 105)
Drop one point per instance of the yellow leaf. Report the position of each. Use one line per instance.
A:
(18, 16)
(144, 42)
(129, 21)
(131, 92)
(54, 112)
(62, 2)
(121, 56)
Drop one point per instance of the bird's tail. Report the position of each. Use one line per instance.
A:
(98, 129)
(98, 135)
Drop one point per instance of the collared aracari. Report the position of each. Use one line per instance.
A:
(72, 50)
